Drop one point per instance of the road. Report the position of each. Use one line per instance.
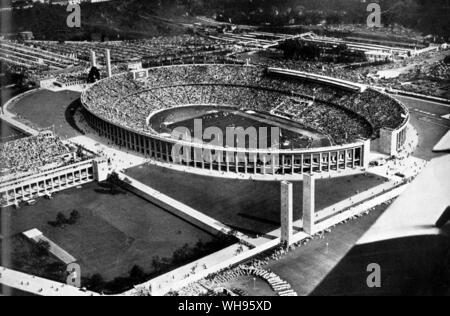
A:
(426, 117)
(38, 286)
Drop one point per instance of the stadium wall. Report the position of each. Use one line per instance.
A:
(236, 160)
(391, 142)
(242, 162)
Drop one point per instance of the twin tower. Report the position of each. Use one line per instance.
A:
(107, 59)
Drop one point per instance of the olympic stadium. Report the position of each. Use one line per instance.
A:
(308, 155)
(325, 124)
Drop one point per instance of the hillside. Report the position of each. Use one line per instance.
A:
(427, 16)
(128, 18)
(113, 20)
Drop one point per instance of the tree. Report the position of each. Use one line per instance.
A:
(94, 75)
(180, 255)
(74, 217)
(96, 283)
(61, 219)
(137, 273)
(159, 265)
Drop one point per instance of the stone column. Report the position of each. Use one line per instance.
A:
(93, 59)
(108, 62)
(309, 202)
(287, 217)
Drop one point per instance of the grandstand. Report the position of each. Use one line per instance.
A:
(40, 165)
(30, 154)
(127, 51)
(355, 119)
(30, 57)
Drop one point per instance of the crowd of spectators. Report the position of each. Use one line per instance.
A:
(429, 78)
(32, 58)
(343, 115)
(222, 283)
(31, 154)
(425, 73)
(123, 51)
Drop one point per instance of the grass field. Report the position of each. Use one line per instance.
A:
(115, 232)
(248, 206)
(224, 120)
(50, 109)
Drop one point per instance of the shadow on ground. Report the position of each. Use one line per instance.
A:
(413, 266)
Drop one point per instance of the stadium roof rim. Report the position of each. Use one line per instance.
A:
(320, 79)
(234, 149)
(328, 80)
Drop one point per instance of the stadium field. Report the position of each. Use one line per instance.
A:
(288, 139)
(48, 109)
(251, 207)
(116, 230)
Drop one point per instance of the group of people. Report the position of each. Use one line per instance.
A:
(30, 153)
(344, 116)
(30, 57)
(428, 75)
(122, 51)
(224, 281)
(427, 78)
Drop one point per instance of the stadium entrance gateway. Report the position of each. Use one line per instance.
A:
(287, 209)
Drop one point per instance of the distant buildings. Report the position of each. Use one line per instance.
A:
(67, 2)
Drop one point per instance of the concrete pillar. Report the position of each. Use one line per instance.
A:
(345, 159)
(227, 161)
(264, 164)
(272, 156)
(100, 170)
(301, 164)
(146, 151)
(388, 142)
(320, 162)
(309, 203)
(93, 59)
(292, 164)
(246, 163)
(365, 155)
(354, 156)
(108, 62)
(167, 153)
(287, 216)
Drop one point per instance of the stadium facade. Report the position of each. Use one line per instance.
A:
(123, 118)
